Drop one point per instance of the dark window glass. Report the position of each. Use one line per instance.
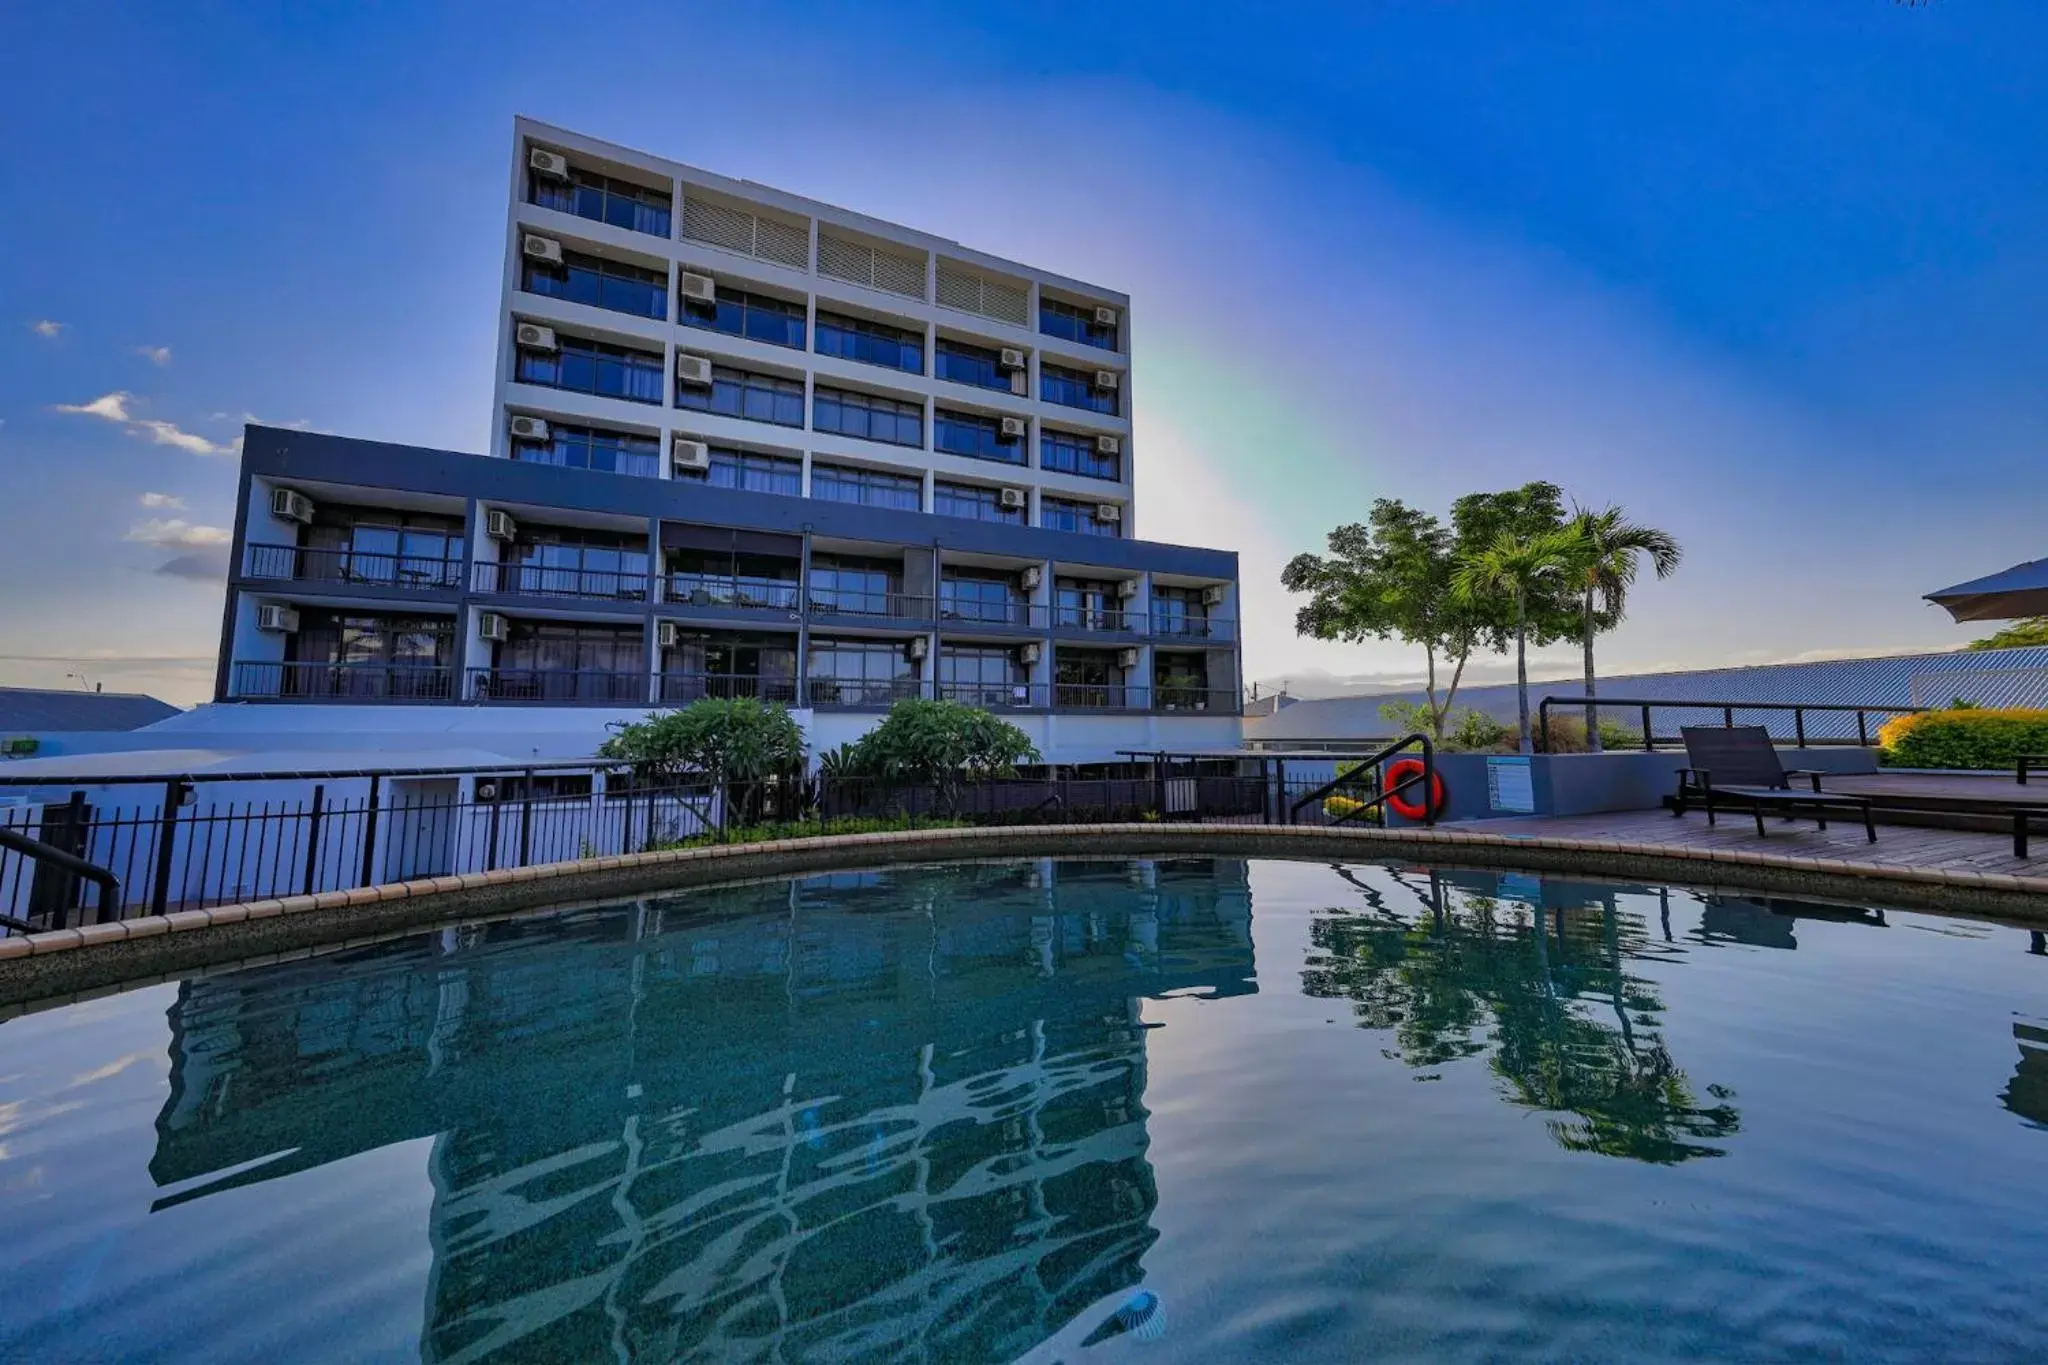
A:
(1179, 611)
(858, 673)
(604, 200)
(570, 647)
(593, 367)
(975, 436)
(599, 283)
(745, 393)
(1087, 604)
(755, 316)
(1073, 323)
(608, 452)
(977, 365)
(1057, 514)
(867, 417)
(1074, 389)
(352, 544)
(715, 578)
(869, 487)
(871, 343)
(967, 666)
(975, 504)
(572, 562)
(1071, 452)
(750, 472)
(992, 601)
(345, 638)
(734, 657)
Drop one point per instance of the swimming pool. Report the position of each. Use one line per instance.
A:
(1209, 1109)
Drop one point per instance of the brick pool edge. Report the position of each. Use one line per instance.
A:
(102, 958)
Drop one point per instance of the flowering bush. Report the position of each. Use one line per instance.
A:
(1963, 737)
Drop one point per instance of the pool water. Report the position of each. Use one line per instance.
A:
(1208, 1110)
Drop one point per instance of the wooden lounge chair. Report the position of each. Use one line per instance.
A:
(1737, 766)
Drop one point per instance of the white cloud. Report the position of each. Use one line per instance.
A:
(113, 407)
(175, 533)
(46, 328)
(155, 355)
(163, 500)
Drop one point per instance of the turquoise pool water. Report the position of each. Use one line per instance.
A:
(1188, 1110)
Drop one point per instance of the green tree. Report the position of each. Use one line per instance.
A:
(2028, 630)
(1528, 573)
(1610, 551)
(940, 744)
(737, 739)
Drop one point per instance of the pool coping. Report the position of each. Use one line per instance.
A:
(151, 948)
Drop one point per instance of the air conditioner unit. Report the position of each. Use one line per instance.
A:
(1029, 654)
(1127, 658)
(1212, 596)
(918, 646)
(1107, 379)
(1105, 317)
(1031, 577)
(499, 525)
(280, 620)
(544, 249)
(698, 288)
(1108, 445)
(529, 429)
(1126, 589)
(493, 627)
(666, 635)
(291, 504)
(1010, 358)
(1012, 499)
(553, 165)
(686, 454)
(693, 369)
(1013, 427)
(535, 337)
(1109, 512)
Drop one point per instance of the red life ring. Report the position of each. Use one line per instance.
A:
(1399, 771)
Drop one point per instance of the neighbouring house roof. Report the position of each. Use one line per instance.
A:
(32, 710)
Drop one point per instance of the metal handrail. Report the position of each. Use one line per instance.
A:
(37, 850)
(1728, 709)
(1373, 763)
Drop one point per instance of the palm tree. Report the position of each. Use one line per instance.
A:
(1521, 567)
(1610, 547)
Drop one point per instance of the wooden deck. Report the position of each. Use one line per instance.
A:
(1897, 846)
(1936, 789)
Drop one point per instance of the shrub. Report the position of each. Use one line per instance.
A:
(1340, 807)
(1476, 732)
(738, 739)
(1965, 737)
(1566, 734)
(935, 743)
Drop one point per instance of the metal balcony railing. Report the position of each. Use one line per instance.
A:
(680, 689)
(1102, 621)
(1170, 628)
(852, 602)
(971, 611)
(559, 686)
(716, 590)
(538, 580)
(849, 694)
(419, 573)
(997, 696)
(1097, 697)
(342, 681)
(1179, 697)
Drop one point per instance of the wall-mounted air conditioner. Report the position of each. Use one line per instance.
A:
(529, 428)
(697, 288)
(291, 505)
(689, 456)
(1126, 588)
(553, 165)
(535, 337)
(918, 646)
(1108, 445)
(1013, 428)
(693, 369)
(546, 250)
(276, 619)
(500, 526)
(1029, 654)
(1109, 512)
(1012, 499)
(1212, 596)
(1031, 577)
(492, 627)
(666, 634)
(1010, 358)
(1105, 317)
(1127, 658)
(1108, 379)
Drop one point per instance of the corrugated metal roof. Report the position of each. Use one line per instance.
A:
(1990, 677)
(33, 710)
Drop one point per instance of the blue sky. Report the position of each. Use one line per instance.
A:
(1775, 277)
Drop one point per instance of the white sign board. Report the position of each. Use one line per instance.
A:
(1510, 786)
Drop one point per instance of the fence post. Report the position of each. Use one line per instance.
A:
(1428, 783)
(1862, 731)
(526, 821)
(166, 837)
(1649, 740)
(306, 886)
(491, 828)
(1728, 717)
(369, 877)
(626, 824)
(1799, 724)
(1281, 815)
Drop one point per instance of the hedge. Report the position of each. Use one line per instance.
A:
(1963, 738)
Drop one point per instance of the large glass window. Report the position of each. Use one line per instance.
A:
(974, 503)
(980, 366)
(1071, 452)
(600, 283)
(750, 472)
(1072, 322)
(755, 316)
(987, 676)
(569, 661)
(975, 436)
(1087, 604)
(1074, 389)
(364, 655)
(1085, 518)
(349, 544)
(865, 587)
(605, 200)
(1180, 682)
(608, 452)
(859, 672)
(868, 487)
(595, 367)
(871, 343)
(980, 598)
(746, 393)
(1179, 612)
(718, 579)
(569, 562)
(867, 417)
(730, 666)
(1084, 678)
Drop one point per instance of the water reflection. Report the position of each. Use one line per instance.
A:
(842, 1118)
(2027, 1093)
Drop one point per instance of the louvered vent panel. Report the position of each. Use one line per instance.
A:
(782, 243)
(958, 289)
(972, 293)
(858, 263)
(718, 225)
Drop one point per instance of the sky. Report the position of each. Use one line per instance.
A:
(1773, 277)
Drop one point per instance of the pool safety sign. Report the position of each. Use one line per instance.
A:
(1510, 786)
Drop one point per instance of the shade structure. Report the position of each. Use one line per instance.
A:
(2019, 591)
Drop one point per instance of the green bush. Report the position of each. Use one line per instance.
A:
(1566, 734)
(809, 829)
(1963, 737)
(934, 743)
(738, 739)
(1475, 732)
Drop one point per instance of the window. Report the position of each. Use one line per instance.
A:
(1084, 679)
(859, 673)
(1087, 604)
(754, 316)
(370, 545)
(607, 452)
(569, 661)
(750, 472)
(540, 787)
(746, 393)
(871, 343)
(1073, 323)
(990, 601)
(975, 436)
(1057, 514)
(359, 655)
(731, 666)
(974, 503)
(866, 417)
(605, 200)
(976, 365)
(718, 579)
(869, 487)
(1070, 452)
(982, 676)
(1179, 611)
(594, 367)
(600, 283)
(1074, 389)
(867, 587)
(1180, 682)
(569, 562)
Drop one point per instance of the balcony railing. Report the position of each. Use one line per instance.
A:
(420, 573)
(997, 696)
(853, 602)
(539, 580)
(715, 590)
(969, 611)
(1097, 697)
(1176, 697)
(559, 686)
(342, 682)
(1192, 627)
(859, 694)
(1099, 621)
(680, 689)
(1135, 697)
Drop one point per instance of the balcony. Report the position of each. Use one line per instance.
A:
(735, 591)
(861, 694)
(1169, 628)
(971, 611)
(350, 682)
(997, 696)
(680, 689)
(414, 573)
(1097, 697)
(559, 687)
(874, 604)
(540, 580)
(1098, 620)
(1187, 697)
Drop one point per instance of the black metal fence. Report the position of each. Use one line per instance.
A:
(1648, 723)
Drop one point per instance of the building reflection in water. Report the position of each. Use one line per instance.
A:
(845, 1117)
